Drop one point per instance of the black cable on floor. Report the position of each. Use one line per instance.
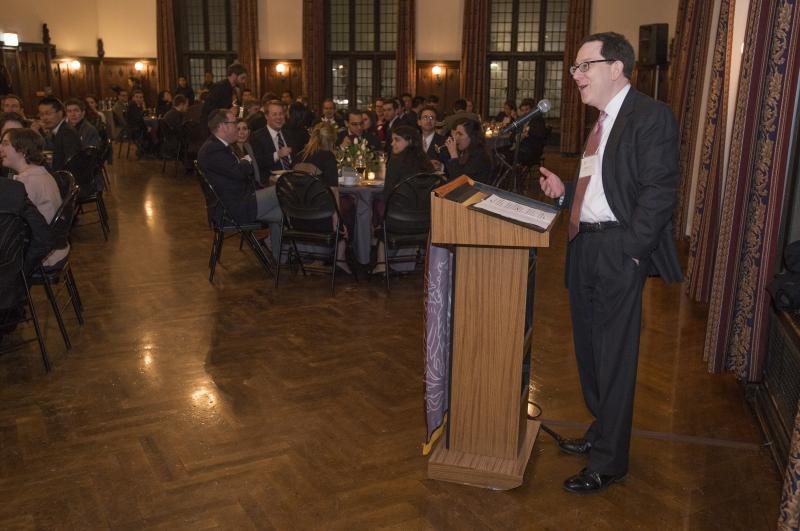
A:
(558, 438)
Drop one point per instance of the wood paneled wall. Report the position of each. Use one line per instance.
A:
(28, 70)
(444, 86)
(272, 81)
(115, 71)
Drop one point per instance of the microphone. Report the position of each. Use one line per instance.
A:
(541, 108)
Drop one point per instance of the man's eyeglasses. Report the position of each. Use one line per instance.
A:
(584, 66)
(234, 122)
(429, 118)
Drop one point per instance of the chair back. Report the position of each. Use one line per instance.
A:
(103, 150)
(61, 223)
(408, 205)
(303, 196)
(65, 182)
(169, 139)
(215, 210)
(83, 166)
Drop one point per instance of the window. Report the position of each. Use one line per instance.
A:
(362, 38)
(207, 38)
(526, 52)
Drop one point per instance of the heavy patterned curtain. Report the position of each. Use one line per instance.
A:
(790, 501)
(754, 190)
(166, 47)
(573, 113)
(474, 46)
(685, 92)
(314, 51)
(705, 222)
(406, 51)
(247, 15)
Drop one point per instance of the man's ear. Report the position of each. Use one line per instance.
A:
(616, 70)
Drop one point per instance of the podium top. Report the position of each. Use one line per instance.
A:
(454, 223)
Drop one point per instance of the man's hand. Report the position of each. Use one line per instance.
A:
(285, 151)
(551, 184)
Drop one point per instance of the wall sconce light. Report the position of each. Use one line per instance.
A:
(281, 69)
(9, 39)
(75, 65)
(138, 66)
(437, 72)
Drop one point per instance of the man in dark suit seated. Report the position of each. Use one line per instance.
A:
(272, 146)
(76, 117)
(620, 231)
(355, 131)
(134, 117)
(391, 110)
(432, 142)
(230, 177)
(177, 114)
(59, 137)
(329, 114)
(184, 89)
(222, 93)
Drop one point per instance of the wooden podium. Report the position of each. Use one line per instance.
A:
(489, 438)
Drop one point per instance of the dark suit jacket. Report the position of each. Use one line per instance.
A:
(14, 200)
(372, 140)
(220, 96)
(186, 91)
(89, 135)
(640, 181)
(230, 177)
(264, 149)
(134, 117)
(257, 121)
(65, 144)
(174, 119)
(438, 140)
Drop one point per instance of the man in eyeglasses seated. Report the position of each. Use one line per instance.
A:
(231, 177)
(355, 131)
(433, 144)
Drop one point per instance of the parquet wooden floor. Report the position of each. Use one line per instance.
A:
(187, 405)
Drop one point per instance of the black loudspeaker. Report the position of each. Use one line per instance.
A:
(653, 44)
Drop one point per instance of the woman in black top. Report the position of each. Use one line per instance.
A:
(408, 158)
(468, 153)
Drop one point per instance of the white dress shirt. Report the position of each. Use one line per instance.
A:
(274, 134)
(595, 205)
(426, 142)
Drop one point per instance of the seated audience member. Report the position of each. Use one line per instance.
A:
(287, 97)
(14, 200)
(317, 158)
(459, 111)
(432, 142)
(534, 135)
(13, 103)
(297, 125)
(163, 103)
(245, 95)
(433, 101)
(134, 117)
(21, 150)
(258, 120)
(242, 149)
(408, 158)
(355, 131)
(468, 154)
(208, 80)
(369, 120)
(184, 89)
(94, 116)
(272, 145)
(406, 112)
(391, 119)
(11, 120)
(59, 137)
(120, 105)
(230, 177)
(177, 114)
(251, 107)
(508, 114)
(76, 117)
(380, 125)
(329, 114)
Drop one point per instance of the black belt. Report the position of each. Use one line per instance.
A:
(599, 226)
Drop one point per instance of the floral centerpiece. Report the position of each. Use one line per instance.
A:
(357, 154)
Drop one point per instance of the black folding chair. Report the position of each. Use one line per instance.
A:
(171, 144)
(123, 134)
(49, 276)
(221, 222)
(310, 215)
(407, 218)
(83, 166)
(12, 254)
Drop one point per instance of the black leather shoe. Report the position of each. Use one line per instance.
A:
(575, 446)
(586, 482)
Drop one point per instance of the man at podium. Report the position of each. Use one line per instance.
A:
(619, 232)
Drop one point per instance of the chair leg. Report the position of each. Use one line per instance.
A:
(119, 151)
(35, 318)
(72, 288)
(259, 251)
(297, 255)
(163, 164)
(128, 153)
(280, 257)
(333, 261)
(51, 296)
(103, 214)
(386, 257)
(216, 250)
(241, 240)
